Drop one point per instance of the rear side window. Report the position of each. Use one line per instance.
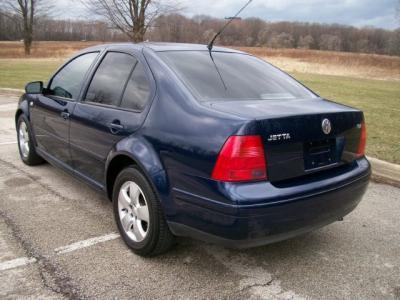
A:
(67, 83)
(110, 79)
(137, 91)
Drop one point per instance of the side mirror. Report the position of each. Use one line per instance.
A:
(35, 87)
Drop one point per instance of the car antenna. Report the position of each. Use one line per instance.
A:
(211, 44)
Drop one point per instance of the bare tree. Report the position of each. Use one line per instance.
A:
(330, 42)
(305, 42)
(281, 40)
(24, 13)
(132, 17)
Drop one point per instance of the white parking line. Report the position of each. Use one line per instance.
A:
(23, 261)
(86, 243)
(15, 263)
(11, 107)
(8, 143)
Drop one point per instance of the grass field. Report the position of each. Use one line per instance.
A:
(368, 82)
(15, 73)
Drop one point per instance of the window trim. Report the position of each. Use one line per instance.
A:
(83, 81)
(93, 73)
(110, 106)
(149, 97)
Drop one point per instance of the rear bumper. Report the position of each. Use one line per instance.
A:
(276, 214)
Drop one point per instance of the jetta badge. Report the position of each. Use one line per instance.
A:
(326, 126)
(279, 137)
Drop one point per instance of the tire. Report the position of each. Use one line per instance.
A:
(26, 145)
(147, 234)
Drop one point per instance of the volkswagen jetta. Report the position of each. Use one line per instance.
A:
(187, 141)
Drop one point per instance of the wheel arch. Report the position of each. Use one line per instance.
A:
(18, 113)
(22, 109)
(118, 160)
(114, 167)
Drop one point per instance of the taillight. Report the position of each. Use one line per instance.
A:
(363, 140)
(241, 159)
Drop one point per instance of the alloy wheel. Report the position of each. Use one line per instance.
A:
(133, 211)
(23, 139)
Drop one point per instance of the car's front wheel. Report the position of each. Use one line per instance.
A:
(26, 146)
(138, 214)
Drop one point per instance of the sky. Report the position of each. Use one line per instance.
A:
(359, 13)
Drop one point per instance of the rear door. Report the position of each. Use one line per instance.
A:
(112, 108)
(50, 112)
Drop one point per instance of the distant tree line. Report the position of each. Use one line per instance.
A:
(257, 32)
(200, 29)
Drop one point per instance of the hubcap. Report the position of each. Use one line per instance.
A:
(23, 139)
(133, 211)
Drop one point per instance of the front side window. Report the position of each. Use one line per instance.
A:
(110, 79)
(67, 83)
(137, 90)
(232, 76)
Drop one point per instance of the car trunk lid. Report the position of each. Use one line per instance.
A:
(293, 136)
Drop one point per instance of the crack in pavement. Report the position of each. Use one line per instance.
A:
(53, 278)
(246, 287)
(257, 281)
(51, 275)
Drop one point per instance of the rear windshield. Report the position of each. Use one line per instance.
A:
(232, 76)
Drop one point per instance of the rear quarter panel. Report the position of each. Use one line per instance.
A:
(186, 135)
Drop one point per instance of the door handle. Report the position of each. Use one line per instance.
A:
(65, 115)
(116, 127)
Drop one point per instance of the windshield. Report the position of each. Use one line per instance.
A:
(233, 76)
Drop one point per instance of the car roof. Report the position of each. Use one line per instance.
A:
(184, 47)
(159, 46)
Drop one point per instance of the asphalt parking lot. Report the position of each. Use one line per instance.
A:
(58, 239)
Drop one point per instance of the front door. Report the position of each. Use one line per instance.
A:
(50, 111)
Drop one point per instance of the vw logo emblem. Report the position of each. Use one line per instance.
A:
(326, 126)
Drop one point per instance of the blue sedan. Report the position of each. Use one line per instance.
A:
(213, 144)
